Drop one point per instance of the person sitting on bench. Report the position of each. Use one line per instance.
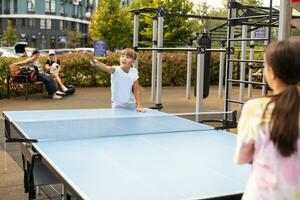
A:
(33, 61)
(53, 68)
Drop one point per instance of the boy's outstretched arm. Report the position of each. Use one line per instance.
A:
(137, 95)
(24, 62)
(102, 66)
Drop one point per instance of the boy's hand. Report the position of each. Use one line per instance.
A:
(140, 109)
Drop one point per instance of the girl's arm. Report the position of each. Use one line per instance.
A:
(137, 95)
(103, 66)
(247, 131)
(47, 66)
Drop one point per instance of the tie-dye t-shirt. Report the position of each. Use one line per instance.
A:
(273, 177)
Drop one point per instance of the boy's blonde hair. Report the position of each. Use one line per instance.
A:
(129, 52)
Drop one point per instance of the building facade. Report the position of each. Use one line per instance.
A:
(42, 23)
(125, 3)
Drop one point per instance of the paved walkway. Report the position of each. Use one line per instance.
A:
(173, 100)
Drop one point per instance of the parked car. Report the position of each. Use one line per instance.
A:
(16, 51)
(85, 50)
(58, 51)
(44, 52)
(6, 52)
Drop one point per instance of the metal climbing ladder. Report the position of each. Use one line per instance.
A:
(249, 18)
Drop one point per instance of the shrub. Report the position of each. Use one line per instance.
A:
(79, 72)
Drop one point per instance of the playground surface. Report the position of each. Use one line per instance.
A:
(173, 100)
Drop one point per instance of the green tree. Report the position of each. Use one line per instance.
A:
(253, 2)
(73, 39)
(112, 24)
(9, 35)
(145, 22)
(176, 29)
(211, 25)
(203, 9)
(179, 29)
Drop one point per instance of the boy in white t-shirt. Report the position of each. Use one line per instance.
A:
(123, 79)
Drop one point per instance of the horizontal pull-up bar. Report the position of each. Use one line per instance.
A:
(247, 82)
(252, 17)
(195, 16)
(240, 60)
(178, 49)
(235, 101)
(248, 39)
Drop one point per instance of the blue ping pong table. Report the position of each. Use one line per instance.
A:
(117, 154)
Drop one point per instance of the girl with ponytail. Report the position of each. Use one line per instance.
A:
(269, 128)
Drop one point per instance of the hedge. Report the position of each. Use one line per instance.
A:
(79, 72)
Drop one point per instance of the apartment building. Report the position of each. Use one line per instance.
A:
(42, 23)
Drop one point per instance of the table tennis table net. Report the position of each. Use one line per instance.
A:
(106, 127)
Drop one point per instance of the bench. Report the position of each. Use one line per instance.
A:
(11, 78)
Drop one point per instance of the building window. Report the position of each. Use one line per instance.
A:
(42, 24)
(6, 7)
(73, 26)
(66, 25)
(47, 5)
(0, 6)
(14, 23)
(80, 13)
(33, 41)
(31, 23)
(74, 11)
(45, 24)
(62, 8)
(125, 3)
(84, 28)
(50, 6)
(48, 24)
(30, 5)
(43, 42)
(77, 27)
(15, 6)
(61, 25)
(23, 22)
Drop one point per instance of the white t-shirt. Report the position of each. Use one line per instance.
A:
(36, 63)
(121, 87)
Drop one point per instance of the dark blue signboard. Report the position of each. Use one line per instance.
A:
(100, 48)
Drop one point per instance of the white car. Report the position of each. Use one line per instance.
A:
(16, 51)
(85, 50)
(7, 52)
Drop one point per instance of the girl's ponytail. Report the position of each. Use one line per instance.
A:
(285, 120)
